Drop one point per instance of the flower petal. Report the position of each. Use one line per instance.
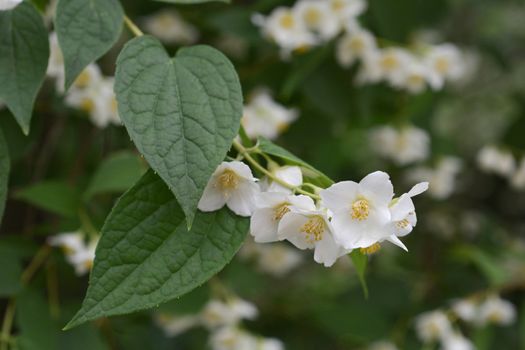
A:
(263, 226)
(418, 189)
(340, 195)
(377, 187)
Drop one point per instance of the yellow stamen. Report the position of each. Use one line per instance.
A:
(87, 105)
(228, 180)
(389, 62)
(83, 79)
(442, 65)
(337, 5)
(402, 224)
(360, 209)
(280, 211)
(287, 21)
(314, 228)
(371, 249)
(312, 17)
(357, 44)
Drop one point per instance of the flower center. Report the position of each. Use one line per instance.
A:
(228, 180)
(357, 45)
(83, 79)
(314, 228)
(442, 65)
(312, 17)
(287, 21)
(337, 5)
(415, 80)
(360, 209)
(87, 105)
(280, 211)
(389, 62)
(370, 249)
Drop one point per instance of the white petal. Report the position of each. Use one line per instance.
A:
(302, 203)
(292, 175)
(402, 208)
(212, 199)
(270, 199)
(240, 169)
(418, 189)
(263, 227)
(327, 251)
(340, 195)
(377, 187)
(242, 200)
(290, 229)
(397, 242)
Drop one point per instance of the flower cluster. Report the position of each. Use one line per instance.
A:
(314, 22)
(263, 116)
(223, 319)
(402, 145)
(332, 222)
(437, 325)
(79, 254)
(494, 160)
(168, 26)
(91, 92)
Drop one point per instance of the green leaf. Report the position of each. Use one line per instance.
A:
(317, 177)
(5, 166)
(24, 52)
(182, 112)
(11, 270)
(360, 261)
(86, 30)
(116, 174)
(53, 196)
(191, 2)
(495, 273)
(146, 255)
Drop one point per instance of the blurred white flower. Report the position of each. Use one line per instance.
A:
(392, 63)
(354, 45)
(55, 67)
(291, 175)
(219, 313)
(360, 210)
(262, 116)
(79, 254)
(404, 145)
(466, 310)
(231, 184)
(497, 311)
(70, 242)
(317, 16)
(414, 79)
(456, 341)
(8, 4)
(277, 259)
(232, 338)
(495, 160)
(311, 229)
(170, 27)
(445, 62)
(270, 208)
(173, 325)
(346, 10)
(518, 178)
(432, 326)
(442, 178)
(382, 345)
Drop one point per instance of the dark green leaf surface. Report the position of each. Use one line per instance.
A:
(86, 30)
(360, 261)
(54, 196)
(146, 256)
(182, 113)
(24, 52)
(116, 174)
(5, 166)
(309, 171)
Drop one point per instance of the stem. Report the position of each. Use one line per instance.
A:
(7, 324)
(35, 264)
(132, 26)
(240, 148)
(86, 223)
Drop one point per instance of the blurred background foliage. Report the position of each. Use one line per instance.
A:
(67, 173)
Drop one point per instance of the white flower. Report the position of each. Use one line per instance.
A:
(433, 325)
(445, 62)
(382, 345)
(217, 313)
(392, 63)
(277, 259)
(442, 179)
(403, 214)
(8, 4)
(346, 10)
(55, 67)
(174, 325)
(494, 160)
(360, 210)
(231, 184)
(262, 116)
(311, 229)
(270, 344)
(170, 27)
(77, 253)
(356, 44)
(497, 311)
(70, 242)
(317, 16)
(415, 77)
(271, 207)
(466, 310)
(233, 338)
(456, 341)
(286, 29)
(518, 178)
(291, 175)
(404, 145)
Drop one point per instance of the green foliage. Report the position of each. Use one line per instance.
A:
(86, 30)
(11, 270)
(182, 113)
(54, 196)
(116, 174)
(360, 262)
(24, 52)
(4, 172)
(146, 256)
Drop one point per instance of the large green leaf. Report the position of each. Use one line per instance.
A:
(182, 112)
(24, 52)
(5, 166)
(54, 196)
(116, 174)
(86, 30)
(147, 256)
(314, 175)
